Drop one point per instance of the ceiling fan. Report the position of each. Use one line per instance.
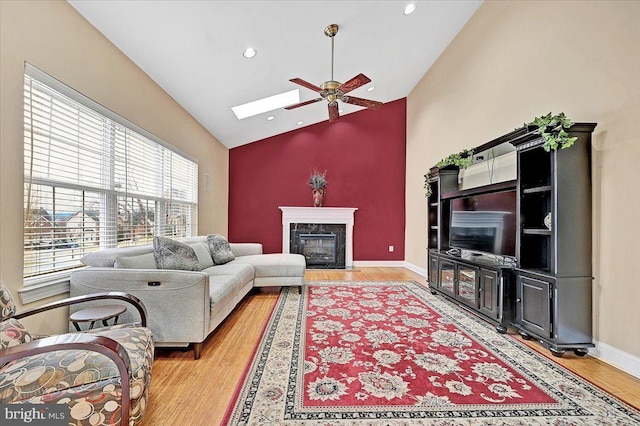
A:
(334, 91)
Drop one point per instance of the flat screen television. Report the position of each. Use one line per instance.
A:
(484, 223)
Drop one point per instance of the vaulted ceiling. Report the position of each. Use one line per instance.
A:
(194, 51)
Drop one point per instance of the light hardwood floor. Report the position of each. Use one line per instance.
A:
(189, 392)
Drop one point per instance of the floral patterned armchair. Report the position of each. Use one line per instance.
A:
(103, 375)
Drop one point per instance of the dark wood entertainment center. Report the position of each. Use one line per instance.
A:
(544, 291)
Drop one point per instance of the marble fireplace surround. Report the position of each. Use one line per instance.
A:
(316, 215)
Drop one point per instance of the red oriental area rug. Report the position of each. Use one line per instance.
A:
(391, 353)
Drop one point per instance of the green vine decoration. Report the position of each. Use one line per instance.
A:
(553, 129)
(427, 187)
(461, 159)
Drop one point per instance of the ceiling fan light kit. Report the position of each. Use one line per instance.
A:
(333, 91)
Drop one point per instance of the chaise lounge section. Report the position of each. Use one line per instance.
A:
(185, 306)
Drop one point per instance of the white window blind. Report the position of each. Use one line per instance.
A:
(93, 180)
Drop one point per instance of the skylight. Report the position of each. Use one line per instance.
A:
(266, 104)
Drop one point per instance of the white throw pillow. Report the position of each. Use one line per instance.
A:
(203, 254)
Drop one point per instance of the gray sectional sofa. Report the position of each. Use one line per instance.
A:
(184, 307)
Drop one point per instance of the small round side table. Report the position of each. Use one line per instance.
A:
(98, 313)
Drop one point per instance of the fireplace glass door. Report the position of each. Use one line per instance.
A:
(319, 248)
(467, 290)
(447, 279)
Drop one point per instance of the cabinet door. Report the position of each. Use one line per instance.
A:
(433, 271)
(446, 271)
(534, 305)
(433, 216)
(467, 284)
(489, 293)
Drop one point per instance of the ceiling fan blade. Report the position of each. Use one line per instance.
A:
(362, 102)
(333, 111)
(306, 84)
(354, 83)
(312, 101)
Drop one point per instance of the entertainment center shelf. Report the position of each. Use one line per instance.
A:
(532, 231)
(546, 188)
(518, 252)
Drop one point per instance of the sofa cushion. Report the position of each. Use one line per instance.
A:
(243, 271)
(220, 249)
(203, 254)
(245, 249)
(276, 264)
(107, 257)
(193, 240)
(172, 254)
(222, 290)
(143, 261)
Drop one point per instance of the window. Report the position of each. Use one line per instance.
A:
(93, 180)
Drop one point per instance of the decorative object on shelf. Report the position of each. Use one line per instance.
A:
(553, 129)
(427, 186)
(461, 159)
(318, 182)
(547, 221)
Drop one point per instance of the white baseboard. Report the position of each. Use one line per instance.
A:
(378, 263)
(418, 270)
(622, 360)
(390, 264)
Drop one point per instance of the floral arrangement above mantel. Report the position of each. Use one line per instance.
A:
(553, 129)
(317, 180)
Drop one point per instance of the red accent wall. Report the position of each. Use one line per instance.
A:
(364, 156)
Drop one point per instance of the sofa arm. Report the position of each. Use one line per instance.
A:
(178, 303)
(245, 249)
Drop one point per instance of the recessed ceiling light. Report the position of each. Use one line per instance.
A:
(271, 117)
(266, 104)
(411, 7)
(371, 88)
(249, 53)
(300, 122)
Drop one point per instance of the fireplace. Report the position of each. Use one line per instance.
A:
(324, 235)
(319, 249)
(322, 245)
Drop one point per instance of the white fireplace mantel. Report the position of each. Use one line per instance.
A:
(333, 215)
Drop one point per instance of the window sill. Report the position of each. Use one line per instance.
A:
(35, 292)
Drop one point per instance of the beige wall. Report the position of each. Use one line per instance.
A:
(517, 60)
(55, 38)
